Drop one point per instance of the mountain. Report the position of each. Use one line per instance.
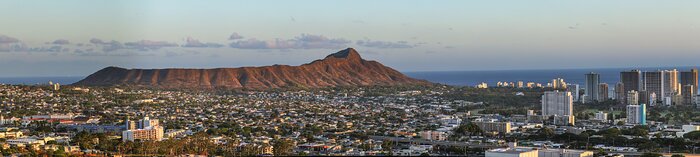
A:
(344, 68)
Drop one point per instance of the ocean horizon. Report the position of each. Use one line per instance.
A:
(455, 78)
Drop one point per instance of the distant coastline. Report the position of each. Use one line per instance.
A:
(491, 77)
(456, 78)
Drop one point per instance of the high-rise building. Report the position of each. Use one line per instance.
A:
(603, 92)
(482, 85)
(520, 84)
(129, 124)
(632, 98)
(631, 80)
(644, 97)
(57, 86)
(688, 91)
(558, 83)
(690, 78)
(601, 116)
(620, 93)
(637, 114)
(653, 83)
(574, 89)
(670, 83)
(592, 84)
(558, 104)
(147, 122)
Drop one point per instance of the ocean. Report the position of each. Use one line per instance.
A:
(575, 76)
(64, 80)
(457, 78)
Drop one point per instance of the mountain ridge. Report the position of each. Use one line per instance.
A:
(343, 68)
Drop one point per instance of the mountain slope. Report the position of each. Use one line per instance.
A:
(344, 68)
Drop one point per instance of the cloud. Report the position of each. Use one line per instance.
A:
(96, 41)
(6, 39)
(195, 43)
(13, 47)
(304, 41)
(143, 45)
(11, 44)
(235, 36)
(384, 44)
(107, 46)
(149, 45)
(61, 42)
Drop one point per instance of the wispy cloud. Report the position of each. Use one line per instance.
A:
(304, 41)
(149, 45)
(61, 42)
(190, 42)
(6, 39)
(384, 44)
(235, 36)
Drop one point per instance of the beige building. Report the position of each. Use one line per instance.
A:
(512, 152)
(564, 153)
(154, 133)
(499, 127)
(149, 130)
(433, 135)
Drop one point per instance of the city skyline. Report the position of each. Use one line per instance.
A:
(410, 36)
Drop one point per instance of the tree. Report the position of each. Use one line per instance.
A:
(469, 129)
(283, 147)
(545, 133)
(387, 145)
(693, 135)
(677, 155)
(651, 155)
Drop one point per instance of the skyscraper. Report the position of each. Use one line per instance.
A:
(688, 91)
(670, 83)
(592, 83)
(574, 89)
(558, 83)
(637, 114)
(631, 80)
(690, 78)
(620, 93)
(558, 104)
(603, 92)
(653, 83)
(644, 98)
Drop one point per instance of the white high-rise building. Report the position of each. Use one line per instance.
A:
(558, 104)
(601, 116)
(637, 114)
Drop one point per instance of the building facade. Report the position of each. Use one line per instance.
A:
(637, 114)
(632, 98)
(631, 80)
(558, 104)
(592, 84)
(603, 93)
(653, 83)
(690, 78)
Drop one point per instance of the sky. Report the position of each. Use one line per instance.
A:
(78, 37)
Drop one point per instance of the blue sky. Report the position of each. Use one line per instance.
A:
(78, 37)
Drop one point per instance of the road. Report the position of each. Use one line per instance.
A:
(432, 142)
